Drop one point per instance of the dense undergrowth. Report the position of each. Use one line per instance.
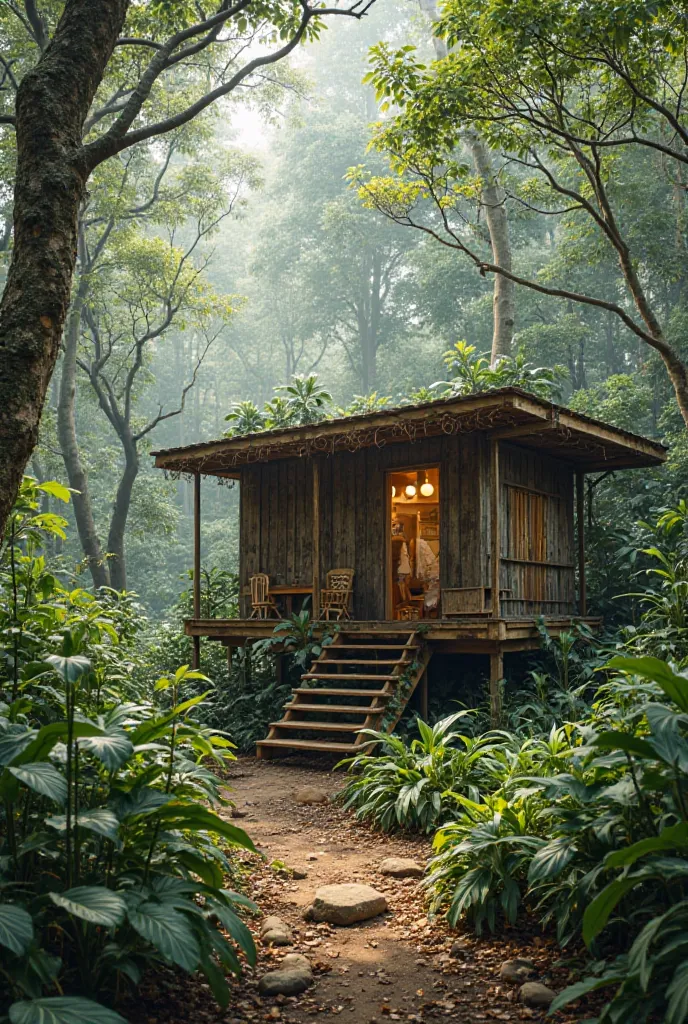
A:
(112, 854)
(575, 811)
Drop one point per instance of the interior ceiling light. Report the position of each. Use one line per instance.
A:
(426, 488)
(410, 490)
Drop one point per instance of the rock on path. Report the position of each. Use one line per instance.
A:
(346, 904)
(401, 867)
(293, 976)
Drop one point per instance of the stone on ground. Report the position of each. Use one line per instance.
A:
(276, 932)
(517, 970)
(311, 795)
(346, 904)
(298, 873)
(536, 996)
(460, 949)
(401, 867)
(293, 976)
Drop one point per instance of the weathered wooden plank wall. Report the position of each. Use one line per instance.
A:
(537, 533)
(276, 533)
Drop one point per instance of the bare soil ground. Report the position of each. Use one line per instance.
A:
(394, 967)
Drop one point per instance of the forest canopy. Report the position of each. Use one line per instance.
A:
(224, 218)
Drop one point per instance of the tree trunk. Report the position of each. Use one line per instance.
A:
(504, 291)
(52, 103)
(504, 300)
(69, 445)
(120, 512)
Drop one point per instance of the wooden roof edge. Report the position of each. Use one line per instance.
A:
(540, 409)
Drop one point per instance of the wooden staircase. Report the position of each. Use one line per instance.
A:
(353, 685)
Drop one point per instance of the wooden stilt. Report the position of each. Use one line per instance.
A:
(495, 528)
(197, 567)
(279, 669)
(580, 529)
(496, 675)
(424, 696)
(316, 539)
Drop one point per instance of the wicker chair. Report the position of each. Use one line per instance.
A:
(335, 598)
(262, 602)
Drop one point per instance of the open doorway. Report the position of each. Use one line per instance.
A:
(413, 569)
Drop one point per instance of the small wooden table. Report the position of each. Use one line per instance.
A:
(289, 591)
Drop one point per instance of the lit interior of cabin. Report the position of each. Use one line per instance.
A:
(414, 566)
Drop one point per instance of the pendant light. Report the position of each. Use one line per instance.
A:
(394, 491)
(410, 490)
(426, 488)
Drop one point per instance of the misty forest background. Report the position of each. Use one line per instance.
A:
(235, 254)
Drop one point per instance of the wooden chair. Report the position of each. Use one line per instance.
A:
(335, 598)
(262, 602)
(404, 608)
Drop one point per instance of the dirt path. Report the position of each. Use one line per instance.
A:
(394, 967)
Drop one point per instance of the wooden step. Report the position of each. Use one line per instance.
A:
(314, 691)
(336, 708)
(346, 675)
(294, 723)
(373, 647)
(355, 660)
(324, 745)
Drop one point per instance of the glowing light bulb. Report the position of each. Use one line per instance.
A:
(410, 490)
(426, 489)
(394, 491)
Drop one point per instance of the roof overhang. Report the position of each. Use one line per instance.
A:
(508, 414)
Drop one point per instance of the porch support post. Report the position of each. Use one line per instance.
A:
(496, 675)
(580, 529)
(316, 540)
(495, 527)
(197, 567)
(424, 695)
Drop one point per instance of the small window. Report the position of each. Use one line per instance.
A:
(527, 525)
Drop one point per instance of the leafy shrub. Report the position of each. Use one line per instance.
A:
(108, 859)
(482, 860)
(415, 785)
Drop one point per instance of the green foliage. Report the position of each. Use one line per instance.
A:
(110, 835)
(473, 374)
(663, 629)
(416, 785)
(299, 636)
(307, 400)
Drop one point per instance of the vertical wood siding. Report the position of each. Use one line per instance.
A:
(276, 530)
(537, 534)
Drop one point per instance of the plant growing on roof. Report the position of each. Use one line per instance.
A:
(474, 374)
(246, 418)
(307, 400)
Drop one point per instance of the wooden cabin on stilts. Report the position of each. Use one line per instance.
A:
(452, 526)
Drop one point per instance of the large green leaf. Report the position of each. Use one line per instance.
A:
(113, 748)
(177, 815)
(551, 860)
(597, 913)
(44, 778)
(674, 686)
(671, 838)
(16, 928)
(69, 668)
(92, 903)
(615, 740)
(62, 1010)
(169, 931)
(13, 743)
(235, 927)
(47, 736)
(99, 820)
(581, 988)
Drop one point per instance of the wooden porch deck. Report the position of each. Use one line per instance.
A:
(459, 636)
